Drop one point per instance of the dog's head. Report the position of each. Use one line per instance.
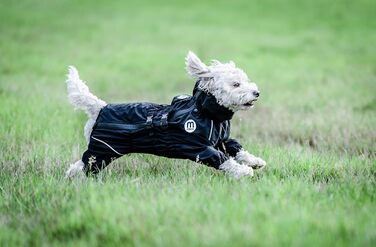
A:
(230, 85)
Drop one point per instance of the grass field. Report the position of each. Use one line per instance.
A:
(314, 62)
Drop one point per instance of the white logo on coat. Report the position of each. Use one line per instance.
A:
(190, 126)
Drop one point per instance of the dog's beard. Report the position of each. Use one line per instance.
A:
(243, 102)
(240, 107)
(250, 103)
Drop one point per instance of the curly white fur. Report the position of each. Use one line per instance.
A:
(235, 170)
(230, 85)
(245, 158)
(81, 98)
(76, 170)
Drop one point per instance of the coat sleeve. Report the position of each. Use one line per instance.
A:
(211, 157)
(230, 147)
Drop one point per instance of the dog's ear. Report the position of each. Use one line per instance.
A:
(195, 67)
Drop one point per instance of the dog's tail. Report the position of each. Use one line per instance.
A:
(80, 96)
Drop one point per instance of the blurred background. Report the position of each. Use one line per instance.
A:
(314, 62)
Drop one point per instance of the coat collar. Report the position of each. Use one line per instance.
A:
(207, 105)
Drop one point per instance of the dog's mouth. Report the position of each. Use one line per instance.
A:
(250, 103)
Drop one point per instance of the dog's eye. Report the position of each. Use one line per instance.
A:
(236, 84)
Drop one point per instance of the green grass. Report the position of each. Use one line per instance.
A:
(314, 62)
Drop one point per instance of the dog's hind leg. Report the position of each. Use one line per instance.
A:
(81, 98)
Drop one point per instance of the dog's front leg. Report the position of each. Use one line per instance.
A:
(245, 158)
(213, 157)
(233, 148)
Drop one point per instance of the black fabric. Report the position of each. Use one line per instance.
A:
(230, 147)
(160, 130)
(208, 106)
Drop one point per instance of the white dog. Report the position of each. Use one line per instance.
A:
(193, 127)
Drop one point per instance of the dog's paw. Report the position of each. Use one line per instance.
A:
(245, 158)
(236, 170)
(76, 170)
(258, 163)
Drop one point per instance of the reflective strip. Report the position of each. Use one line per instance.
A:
(107, 145)
(211, 130)
(225, 129)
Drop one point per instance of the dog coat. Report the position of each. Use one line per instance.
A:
(191, 127)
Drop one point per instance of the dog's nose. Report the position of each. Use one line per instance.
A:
(256, 93)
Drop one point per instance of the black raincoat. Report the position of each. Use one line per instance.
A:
(191, 127)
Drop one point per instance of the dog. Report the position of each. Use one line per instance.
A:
(193, 127)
